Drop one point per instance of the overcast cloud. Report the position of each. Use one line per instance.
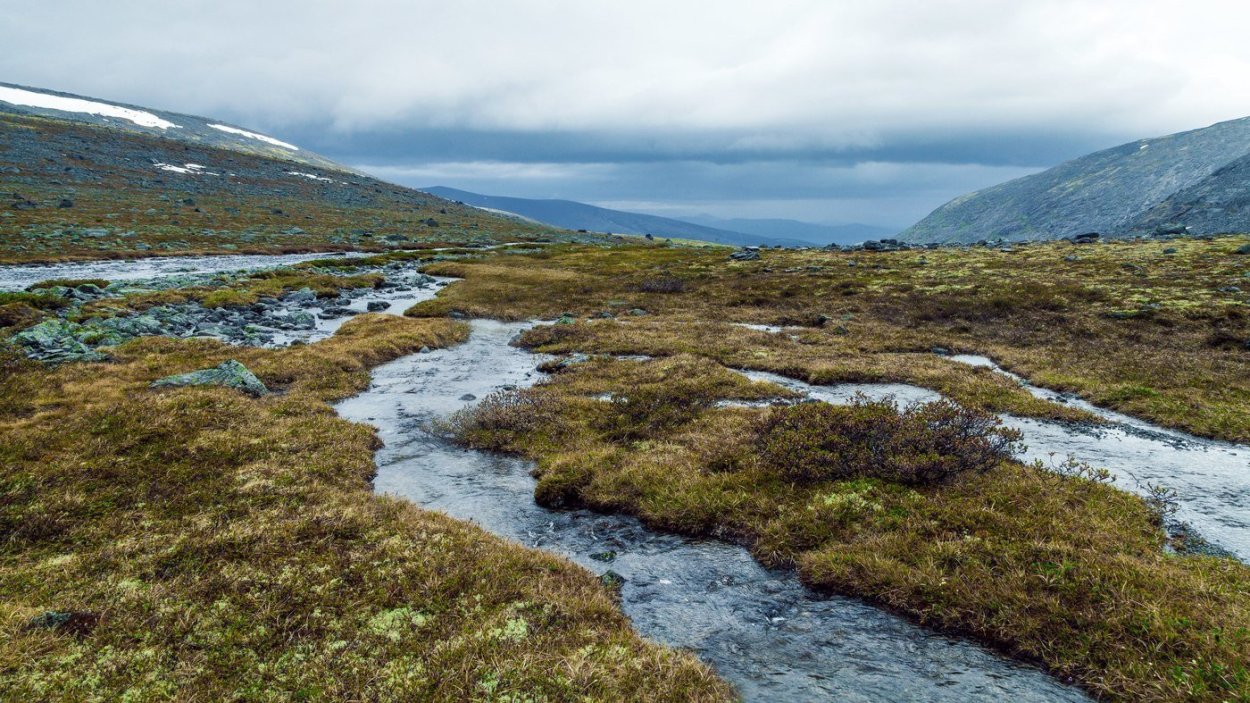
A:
(819, 109)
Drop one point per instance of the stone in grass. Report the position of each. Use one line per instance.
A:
(230, 374)
(73, 622)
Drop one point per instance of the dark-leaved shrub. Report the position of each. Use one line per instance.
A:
(666, 284)
(917, 445)
(646, 412)
(501, 418)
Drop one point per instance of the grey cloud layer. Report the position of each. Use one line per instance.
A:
(814, 83)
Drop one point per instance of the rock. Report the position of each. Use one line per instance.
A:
(229, 374)
(377, 305)
(563, 363)
(941, 351)
(605, 556)
(424, 350)
(1170, 229)
(638, 312)
(566, 319)
(336, 311)
(1087, 238)
(612, 580)
(303, 295)
(78, 623)
(746, 254)
(467, 397)
(1172, 250)
(55, 340)
(1243, 250)
(293, 230)
(1230, 289)
(65, 203)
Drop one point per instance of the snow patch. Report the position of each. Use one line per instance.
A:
(313, 176)
(253, 135)
(29, 98)
(192, 169)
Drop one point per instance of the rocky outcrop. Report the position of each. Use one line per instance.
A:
(229, 374)
(1194, 180)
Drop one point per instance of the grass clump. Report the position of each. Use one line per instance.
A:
(68, 283)
(920, 445)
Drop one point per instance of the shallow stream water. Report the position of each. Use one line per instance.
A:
(1211, 478)
(761, 630)
(19, 277)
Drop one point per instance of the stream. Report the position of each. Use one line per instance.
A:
(760, 629)
(18, 277)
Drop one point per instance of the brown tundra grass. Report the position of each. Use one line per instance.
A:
(197, 545)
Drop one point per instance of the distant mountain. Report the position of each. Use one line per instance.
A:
(1197, 179)
(192, 130)
(574, 215)
(88, 178)
(794, 229)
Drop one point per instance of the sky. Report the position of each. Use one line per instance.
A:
(873, 111)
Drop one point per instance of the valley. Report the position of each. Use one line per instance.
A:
(277, 430)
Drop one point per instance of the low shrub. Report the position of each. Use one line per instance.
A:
(500, 419)
(649, 411)
(665, 284)
(918, 445)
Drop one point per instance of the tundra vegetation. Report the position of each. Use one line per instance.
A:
(202, 541)
(918, 509)
(201, 544)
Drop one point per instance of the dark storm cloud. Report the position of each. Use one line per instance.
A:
(741, 107)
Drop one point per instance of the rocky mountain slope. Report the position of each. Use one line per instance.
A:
(82, 178)
(818, 234)
(574, 215)
(1194, 179)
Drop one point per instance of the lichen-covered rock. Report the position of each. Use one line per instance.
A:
(229, 374)
(55, 340)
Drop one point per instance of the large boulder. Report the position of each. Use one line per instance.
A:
(230, 374)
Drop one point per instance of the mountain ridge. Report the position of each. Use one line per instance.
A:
(571, 214)
(1126, 189)
(18, 99)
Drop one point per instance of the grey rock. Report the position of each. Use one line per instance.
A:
(377, 305)
(303, 295)
(55, 340)
(746, 254)
(229, 374)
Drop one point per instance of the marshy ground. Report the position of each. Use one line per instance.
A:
(200, 542)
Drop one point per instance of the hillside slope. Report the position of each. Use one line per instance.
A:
(817, 234)
(1110, 192)
(77, 185)
(574, 215)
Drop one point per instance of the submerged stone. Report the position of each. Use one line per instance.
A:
(229, 374)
